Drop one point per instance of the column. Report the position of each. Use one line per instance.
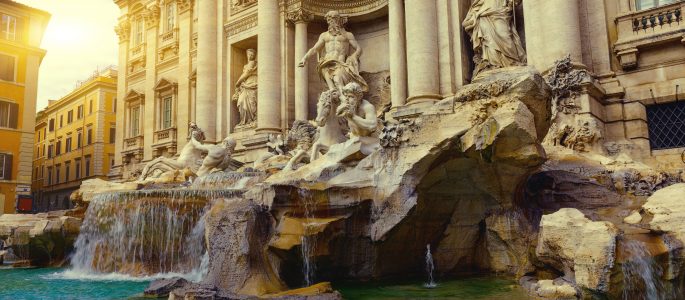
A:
(422, 51)
(269, 66)
(300, 18)
(206, 68)
(398, 57)
(552, 20)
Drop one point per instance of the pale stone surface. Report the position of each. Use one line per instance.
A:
(668, 209)
(582, 249)
(634, 218)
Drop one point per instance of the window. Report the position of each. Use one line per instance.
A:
(135, 121)
(58, 148)
(51, 125)
(111, 161)
(647, 4)
(43, 149)
(77, 166)
(49, 175)
(170, 15)
(78, 140)
(90, 136)
(166, 116)
(666, 124)
(61, 118)
(9, 113)
(5, 166)
(79, 114)
(67, 170)
(114, 105)
(112, 135)
(10, 28)
(7, 63)
(50, 150)
(90, 108)
(87, 166)
(70, 116)
(57, 175)
(67, 145)
(140, 32)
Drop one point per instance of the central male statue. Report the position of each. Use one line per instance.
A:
(337, 66)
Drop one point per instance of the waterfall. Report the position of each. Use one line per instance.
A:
(641, 273)
(308, 240)
(429, 268)
(143, 233)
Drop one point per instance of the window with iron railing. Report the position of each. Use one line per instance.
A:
(666, 124)
(648, 4)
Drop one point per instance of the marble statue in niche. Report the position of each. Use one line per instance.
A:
(496, 44)
(246, 91)
(338, 65)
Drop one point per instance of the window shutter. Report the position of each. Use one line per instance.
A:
(14, 115)
(8, 167)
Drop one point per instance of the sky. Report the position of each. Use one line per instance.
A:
(79, 39)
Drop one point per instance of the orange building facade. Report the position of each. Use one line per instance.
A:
(21, 32)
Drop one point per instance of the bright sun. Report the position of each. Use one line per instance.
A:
(64, 33)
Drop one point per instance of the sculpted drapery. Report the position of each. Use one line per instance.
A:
(495, 41)
(246, 91)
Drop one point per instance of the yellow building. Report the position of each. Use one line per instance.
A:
(21, 32)
(74, 140)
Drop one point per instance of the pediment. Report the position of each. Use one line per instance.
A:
(165, 84)
(134, 95)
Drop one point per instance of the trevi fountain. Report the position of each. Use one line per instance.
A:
(507, 188)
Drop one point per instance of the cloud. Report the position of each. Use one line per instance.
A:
(79, 39)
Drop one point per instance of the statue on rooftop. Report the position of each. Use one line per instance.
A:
(246, 91)
(338, 64)
(496, 43)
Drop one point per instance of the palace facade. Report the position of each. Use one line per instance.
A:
(231, 67)
(21, 32)
(74, 140)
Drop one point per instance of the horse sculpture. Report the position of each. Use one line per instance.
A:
(330, 130)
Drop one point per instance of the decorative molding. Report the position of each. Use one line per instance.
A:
(238, 6)
(241, 25)
(345, 7)
(299, 16)
(185, 5)
(151, 16)
(123, 30)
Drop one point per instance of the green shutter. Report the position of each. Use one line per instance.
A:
(14, 115)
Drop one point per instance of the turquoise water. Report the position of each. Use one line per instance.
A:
(480, 288)
(54, 283)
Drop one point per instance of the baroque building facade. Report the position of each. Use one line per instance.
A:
(74, 140)
(21, 33)
(233, 68)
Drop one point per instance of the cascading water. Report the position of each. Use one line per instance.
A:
(144, 233)
(641, 273)
(308, 240)
(429, 268)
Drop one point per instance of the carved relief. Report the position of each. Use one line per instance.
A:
(245, 95)
(123, 30)
(299, 16)
(151, 16)
(241, 25)
(241, 5)
(496, 44)
(392, 134)
(578, 132)
(346, 7)
(185, 5)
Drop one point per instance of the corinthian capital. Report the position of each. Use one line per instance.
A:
(299, 16)
(184, 5)
(151, 16)
(123, 30)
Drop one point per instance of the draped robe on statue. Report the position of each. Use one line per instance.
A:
(493, 34)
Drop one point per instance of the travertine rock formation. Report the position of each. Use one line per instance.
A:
(583, 250)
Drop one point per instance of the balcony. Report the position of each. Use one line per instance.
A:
(133, 144)
(168, 44)
(165, 138)
(137, 51)
(647, 28)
